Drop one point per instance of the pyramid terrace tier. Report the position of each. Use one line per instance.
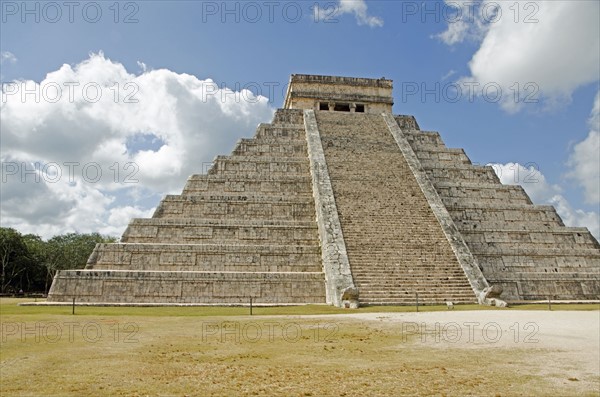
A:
(206, 257)
(218, 231)
(515, 213)
(287, 184)
(260, 208)
(536, 285)
(445, 156)
(114, 286)
(270, 147)
(503, 263)
(478, 192)
(244, 165)
(555, 237)
(421, 140)
(438, 172)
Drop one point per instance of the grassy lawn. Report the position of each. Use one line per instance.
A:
(222, 351)
(11, 306)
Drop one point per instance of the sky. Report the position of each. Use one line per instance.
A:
(108, 106)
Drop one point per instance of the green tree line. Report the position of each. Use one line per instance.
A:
(29, 263)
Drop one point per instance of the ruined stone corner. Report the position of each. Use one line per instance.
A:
(349, 298)
(489, 296)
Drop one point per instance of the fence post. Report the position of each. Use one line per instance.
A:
(417, 294)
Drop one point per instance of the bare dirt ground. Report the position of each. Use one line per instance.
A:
(443, 353)
(570, 339)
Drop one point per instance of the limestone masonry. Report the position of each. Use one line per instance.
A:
(338, 201)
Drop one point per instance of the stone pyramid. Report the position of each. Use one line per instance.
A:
(338, 201)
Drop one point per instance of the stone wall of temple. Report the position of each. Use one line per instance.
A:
(522, 247)
(336, 200)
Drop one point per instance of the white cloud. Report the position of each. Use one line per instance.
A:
(119, 218)
(576, 217)
(142, 66)
(356, 7)
(541, 192)
(585, 158)
(529, 177)
(189, 120)
(456, 33)
(550, 45)
(7, 56)
(450, 73)
(465, 21)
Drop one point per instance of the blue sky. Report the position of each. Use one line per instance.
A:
(167, 52)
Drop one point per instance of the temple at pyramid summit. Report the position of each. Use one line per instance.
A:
(338, 201)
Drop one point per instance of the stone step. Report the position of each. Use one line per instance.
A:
(405, 290)
(423, 290)
(412, 279)
(384, 215)
(370, 288)
(424, 295)
(396, 274)
(407, 274)
(406, 258)
(408, 302)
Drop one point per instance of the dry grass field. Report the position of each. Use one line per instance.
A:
(299, 351)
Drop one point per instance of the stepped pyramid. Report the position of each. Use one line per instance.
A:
(335, 201)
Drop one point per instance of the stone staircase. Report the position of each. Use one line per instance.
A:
(525, 248)
(396, 247)
(245, 229)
